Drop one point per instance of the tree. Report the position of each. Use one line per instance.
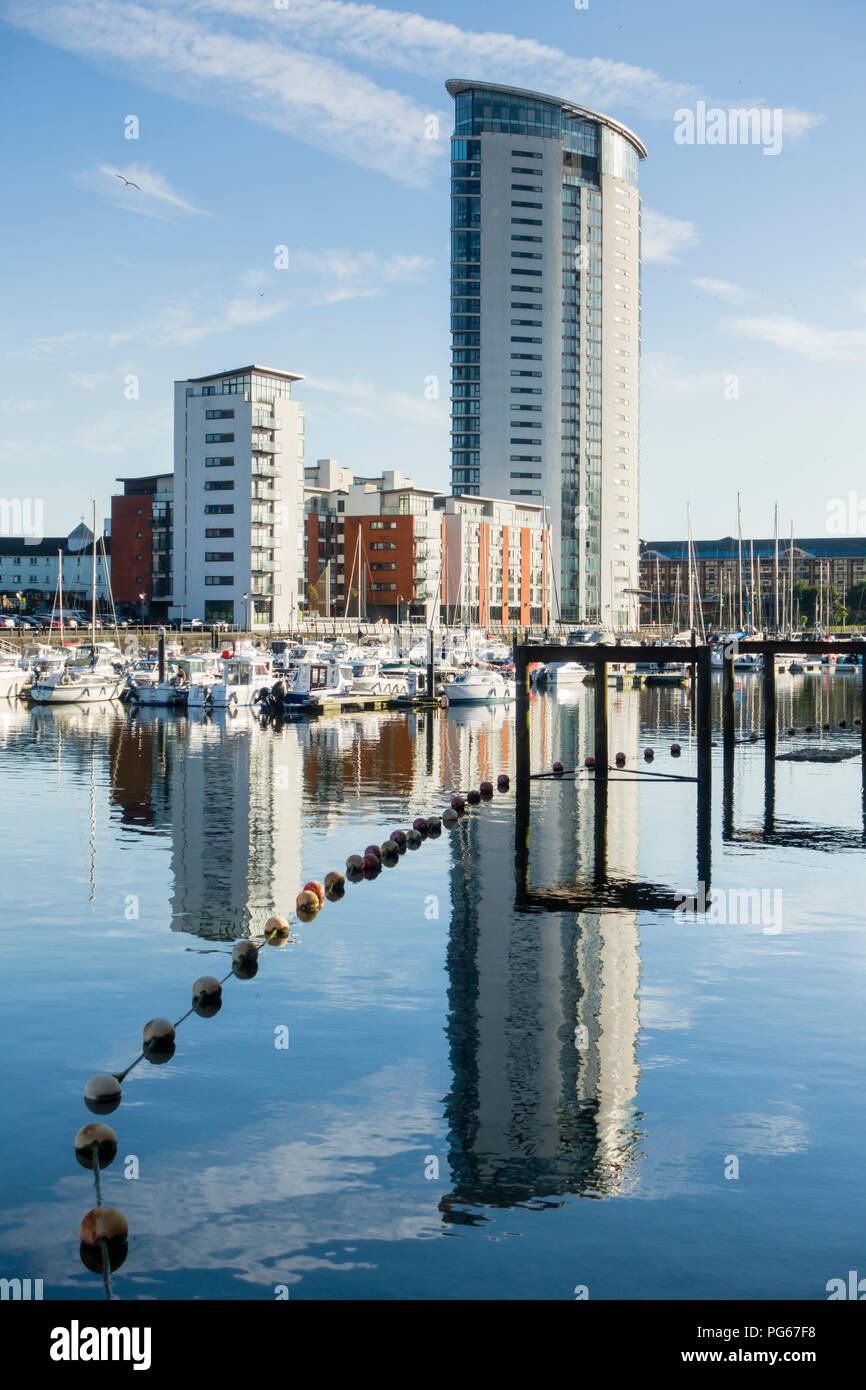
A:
(856, 599)
(807, 597)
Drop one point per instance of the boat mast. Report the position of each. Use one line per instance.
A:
(93, 588)
(776, 566)
(791, 584)
(739, 564)
(689, 548)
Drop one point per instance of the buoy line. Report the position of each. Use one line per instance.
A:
(104, 1230)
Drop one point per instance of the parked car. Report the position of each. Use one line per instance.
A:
(191, 624)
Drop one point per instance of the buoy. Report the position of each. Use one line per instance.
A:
(808, 728)
(843, 723)
(503, 782)
(102, 1093)
(620, 760)
(753, 738)
(792, 731)
(434, 826)
(103, 1223)
(589, 762)
(354, 874)
(399, 837)
(373, 849)
(307, 900)
(390, 854)
(473, 797)
(413, 839)
(159, 1032)
(420, 824)
(558, 769)
(276, 931)
(314, 886)
(372, 866)
(245, 959)
(449, 817)
(355, 861)
(458, 804)
(207, 987)
(105, 1139)
(825, 726)
(648, 755)
(675, 750)
(486, 790)
(335, 886)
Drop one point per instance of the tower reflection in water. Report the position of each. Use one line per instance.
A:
(227, 792)
(543, 1006)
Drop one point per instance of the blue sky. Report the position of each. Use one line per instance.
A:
(303, 125)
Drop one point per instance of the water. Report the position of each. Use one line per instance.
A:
(480, 1097)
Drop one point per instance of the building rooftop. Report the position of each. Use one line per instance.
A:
(455, 85)
(245, 371)
(726, 548)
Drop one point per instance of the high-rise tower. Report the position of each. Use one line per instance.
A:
(545, 323)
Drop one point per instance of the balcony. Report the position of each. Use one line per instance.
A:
(260, 469)
(263, 516)
(263, 421)
(264, 588)
(265, 446)
(261, 566)
(261, 493)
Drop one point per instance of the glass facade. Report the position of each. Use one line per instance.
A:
(589, 148)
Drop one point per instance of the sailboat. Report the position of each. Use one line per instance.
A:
(79, 681)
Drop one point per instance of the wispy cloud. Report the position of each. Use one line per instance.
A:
(723, 289)
(363, 398)
(279, 67)
(365, 265)
(665, 238)
(136, 188)
(806, 339)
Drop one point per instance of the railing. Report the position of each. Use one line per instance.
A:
(265, 494)
(263, 421)
(266, 446)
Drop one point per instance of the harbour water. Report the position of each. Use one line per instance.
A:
(479, 1097)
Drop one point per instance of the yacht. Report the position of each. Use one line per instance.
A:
(77, 682)
(14, 672)
(479, 686)
(308, 682)
(239, 681)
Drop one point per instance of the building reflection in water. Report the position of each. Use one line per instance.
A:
(543, 1006)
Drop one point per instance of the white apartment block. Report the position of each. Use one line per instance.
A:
(545, 324)
(238, 498)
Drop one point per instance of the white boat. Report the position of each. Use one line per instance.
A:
(77, 684)
(239, 682)
(15, 672)
(479, 686)
(180, 678)
(307, 682)
(368, 678)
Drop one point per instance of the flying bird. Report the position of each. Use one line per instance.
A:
(128, 182)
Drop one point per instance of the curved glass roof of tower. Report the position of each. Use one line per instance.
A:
(545, 323)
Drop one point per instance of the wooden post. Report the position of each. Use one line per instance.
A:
(600, 701)
(431, 674)
(522, 768)
(728, 699)
(769, 704)
(705, 760)
(160, 654)
(863, 726)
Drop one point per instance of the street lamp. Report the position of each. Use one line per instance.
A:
(246, 614)
(399, 601)
(141, 610)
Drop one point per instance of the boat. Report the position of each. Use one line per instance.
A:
(180, 678)
(479, 686)
(77, 683)
(309, 682)
(15, 672)
(239, 681)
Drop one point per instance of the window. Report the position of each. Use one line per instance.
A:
(527, 221)
(225, 580)
(383, 545)
(515, 372)
(219, 415)
(516, 204)
(383, 588)
(219, 511)
(526, 323)
(524, 492)
(531, 255)
(526, 188)
(219, 532)
(208, 390)
(383, 526)
(219, 462)
(521, 236)
(211, 555)
(219, 439)
(527, 340)
(219, 485)
(383, 565)
(526, 356)
(523, 424)
(526, 154)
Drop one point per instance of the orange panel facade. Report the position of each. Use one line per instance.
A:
(388, 559)
(483, 574)
(505, 577)
(525, 575)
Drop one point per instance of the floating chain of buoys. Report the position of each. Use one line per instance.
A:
(104, 1230)
(619, 764)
